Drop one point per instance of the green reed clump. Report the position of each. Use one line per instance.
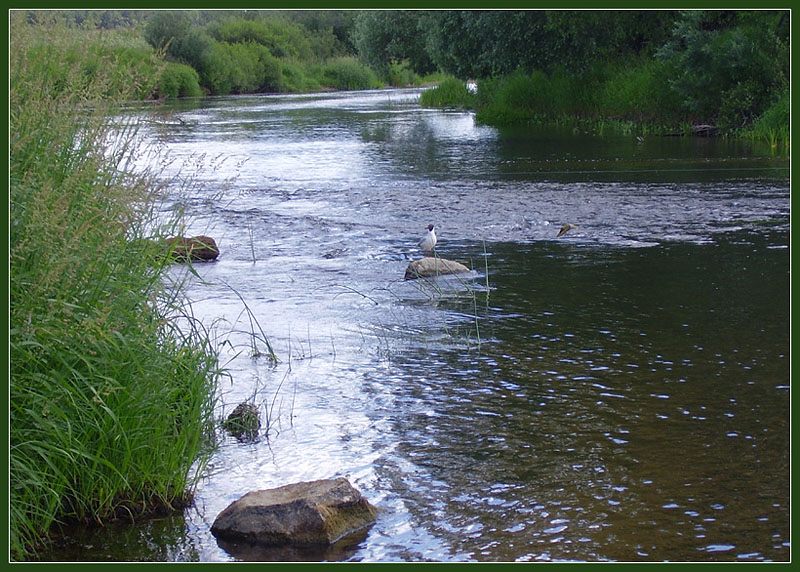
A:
(450, 92)
(639, 90)
(773, 125)
(111, 402)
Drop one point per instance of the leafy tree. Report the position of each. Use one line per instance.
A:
(384, 37)
(281, 37)
(730, 66)
(177, 32)
(338, 25)
(496, 42)
(586, 37)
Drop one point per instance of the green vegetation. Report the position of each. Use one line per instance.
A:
(258, 52)
(651, 69)
(110, 400)
(643, 70)
(635, 96)
(450, 92)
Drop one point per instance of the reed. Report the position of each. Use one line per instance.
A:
(112, 382)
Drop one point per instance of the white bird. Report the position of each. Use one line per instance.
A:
(566, 228)
(429, 240)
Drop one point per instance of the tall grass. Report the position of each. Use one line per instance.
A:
(773, 126)
(450, 92)
(631, 96)
(111, 402)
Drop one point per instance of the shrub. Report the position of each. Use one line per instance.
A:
(728, 65)
(348, 73)
(282, 38)
(640, 91)
(242, 68)
(400, 74)
(178, 80)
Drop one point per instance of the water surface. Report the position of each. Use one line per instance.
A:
(619, 393)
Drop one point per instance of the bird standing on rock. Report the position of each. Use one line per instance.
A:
(429, 240)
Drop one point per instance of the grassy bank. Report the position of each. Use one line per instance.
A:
(110, 401)
(634, 99)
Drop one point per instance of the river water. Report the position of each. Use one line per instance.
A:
(619, 393)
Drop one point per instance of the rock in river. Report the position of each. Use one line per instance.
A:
(315, 512)
(432, 266)
(196, 248)
(244, 422)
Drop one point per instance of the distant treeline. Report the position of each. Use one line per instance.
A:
(725, 67)
(664, 68)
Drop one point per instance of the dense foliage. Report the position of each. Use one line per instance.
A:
(661, 67)
(258, 52)
(724, 67)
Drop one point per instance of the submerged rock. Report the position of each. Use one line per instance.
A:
(432, 266)
(315, 512)
(243, 422)
(195, 249)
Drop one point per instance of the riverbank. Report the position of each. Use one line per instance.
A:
(111, 390)
(635, 101)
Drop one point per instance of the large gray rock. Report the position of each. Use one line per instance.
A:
(315, 512)
(432, 266)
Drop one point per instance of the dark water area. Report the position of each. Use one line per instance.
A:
(620, 393)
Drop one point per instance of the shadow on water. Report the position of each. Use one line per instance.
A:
(619, 393)
(629, 408)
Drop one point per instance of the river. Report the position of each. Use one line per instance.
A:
(619, 393)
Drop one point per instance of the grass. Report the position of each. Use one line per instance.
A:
(450, 92)
(633, 97)
(112, 382)
(773, 125)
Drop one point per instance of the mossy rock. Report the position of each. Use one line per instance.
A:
(244, 422)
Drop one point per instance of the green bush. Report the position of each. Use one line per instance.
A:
(515, 98)
(348, 74)
(728, 66)
(400, 74)
(298, 78)
(242, 68)
(773, 125)
(282, 38)
(178, 80)
(640, 91)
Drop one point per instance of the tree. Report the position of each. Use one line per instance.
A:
(729, 65)
(383, 37)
